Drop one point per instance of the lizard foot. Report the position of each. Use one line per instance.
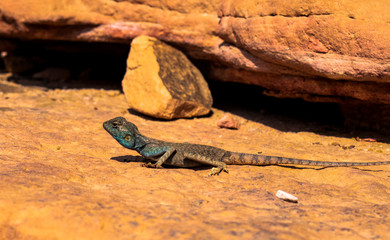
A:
(218, 170)
(150, 165)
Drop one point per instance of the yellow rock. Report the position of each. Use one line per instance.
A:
(161, 82)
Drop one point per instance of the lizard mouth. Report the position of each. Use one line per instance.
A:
(109, 128)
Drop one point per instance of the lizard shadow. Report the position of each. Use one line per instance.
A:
(319, 168)
(296, 167)
(140, 159)
(129, 158)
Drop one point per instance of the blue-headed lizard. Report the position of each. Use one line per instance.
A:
(193, 155)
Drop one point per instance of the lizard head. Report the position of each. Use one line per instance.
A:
(123, 131)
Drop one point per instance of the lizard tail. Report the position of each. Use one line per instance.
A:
(235, 158)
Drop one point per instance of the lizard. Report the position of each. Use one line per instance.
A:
(192, 155)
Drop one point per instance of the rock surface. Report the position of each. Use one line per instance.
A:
(161, 82)
(63, 177)
(317, 50)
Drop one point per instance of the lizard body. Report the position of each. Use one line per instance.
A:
(192, 155)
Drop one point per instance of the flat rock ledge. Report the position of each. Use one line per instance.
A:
(62, 176)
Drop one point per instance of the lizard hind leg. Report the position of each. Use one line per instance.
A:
(218, 166)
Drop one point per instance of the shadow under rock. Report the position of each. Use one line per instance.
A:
(62, 64)
(146, 117)
(287, 115)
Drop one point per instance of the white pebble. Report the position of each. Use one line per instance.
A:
(286, 196)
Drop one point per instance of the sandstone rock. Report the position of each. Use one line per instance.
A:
(7, 45)
(63, 177)
(161, 82)
(343, 41)
(316, 50)
(368, 116)
(228, 121)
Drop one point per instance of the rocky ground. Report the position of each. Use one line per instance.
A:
(63, 177)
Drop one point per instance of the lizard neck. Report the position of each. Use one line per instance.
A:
(140, 142)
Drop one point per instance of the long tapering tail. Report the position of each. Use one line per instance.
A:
(235, 158)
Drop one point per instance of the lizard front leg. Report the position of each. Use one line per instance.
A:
(161, 160)
(218, 165)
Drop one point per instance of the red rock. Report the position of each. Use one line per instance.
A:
(315, 50)
(295, 38)
(228, 121)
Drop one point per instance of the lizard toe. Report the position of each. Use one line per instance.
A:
(217, 170)
(214, 171)
(150, 165)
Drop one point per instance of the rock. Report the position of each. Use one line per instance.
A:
(7, 45)
(63, 177)
(161, 82)
(367, 116)
(316, 50)
(293, 39)
(286, 196)
(228, 121)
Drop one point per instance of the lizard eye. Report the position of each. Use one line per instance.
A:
(115, 124)
(128, 138)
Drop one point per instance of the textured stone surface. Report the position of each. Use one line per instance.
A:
(161, 82)
(63, 177)
(334, 45)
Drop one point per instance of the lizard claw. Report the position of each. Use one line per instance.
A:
(150, 165)
(217, 170)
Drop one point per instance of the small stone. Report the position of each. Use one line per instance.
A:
(228, 121)
(161, 82)
(286, 196)
(368, 140)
